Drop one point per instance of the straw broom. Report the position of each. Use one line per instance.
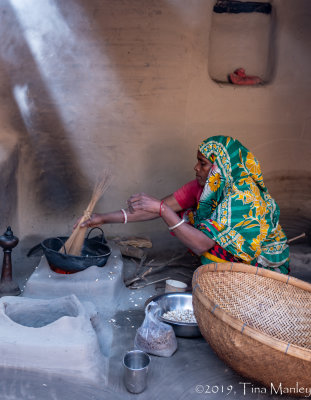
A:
(75, 242)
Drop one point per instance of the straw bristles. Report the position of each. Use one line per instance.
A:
(75, 242)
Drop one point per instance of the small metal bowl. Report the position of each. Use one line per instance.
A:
(180, 302)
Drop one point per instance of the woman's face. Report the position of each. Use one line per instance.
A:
(202, 168)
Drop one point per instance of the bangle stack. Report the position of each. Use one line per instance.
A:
(125, 216)
(171, 228)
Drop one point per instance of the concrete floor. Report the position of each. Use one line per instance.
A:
(194, 367)
(193, 372)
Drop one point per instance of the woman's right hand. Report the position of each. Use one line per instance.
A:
(94, 221)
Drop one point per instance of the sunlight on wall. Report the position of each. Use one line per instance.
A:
(65, 52)
(44, 30)
(39, 19)
(20, 95)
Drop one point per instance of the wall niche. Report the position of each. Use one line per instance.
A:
(241, 43)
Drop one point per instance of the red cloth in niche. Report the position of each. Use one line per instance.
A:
(239, 77)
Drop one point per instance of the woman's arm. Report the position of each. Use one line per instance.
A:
(118, 217)
(132, 215)
(196, 240)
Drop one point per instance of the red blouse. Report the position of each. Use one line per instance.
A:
(189, 195)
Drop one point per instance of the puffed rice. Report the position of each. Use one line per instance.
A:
(180, 316)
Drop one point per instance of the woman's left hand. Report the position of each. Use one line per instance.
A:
(142, 201)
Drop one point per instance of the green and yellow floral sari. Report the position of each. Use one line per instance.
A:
(236, 210)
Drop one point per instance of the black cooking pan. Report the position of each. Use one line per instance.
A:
(94, 252)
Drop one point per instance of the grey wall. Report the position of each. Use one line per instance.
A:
(124, 84)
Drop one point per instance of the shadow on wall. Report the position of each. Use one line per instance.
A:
(144, 42)
(8, 180)
(104, 64)
(48, 165)
(293, 195)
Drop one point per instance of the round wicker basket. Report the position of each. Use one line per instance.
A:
(258, 322)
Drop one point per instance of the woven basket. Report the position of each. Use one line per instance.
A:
(258, 322)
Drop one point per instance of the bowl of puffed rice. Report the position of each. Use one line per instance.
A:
(177, 311)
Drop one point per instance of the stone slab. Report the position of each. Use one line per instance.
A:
(50, 335)
(102, 286)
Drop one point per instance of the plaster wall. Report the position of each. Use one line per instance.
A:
(125, 85)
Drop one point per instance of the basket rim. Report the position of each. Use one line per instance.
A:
(239, 325)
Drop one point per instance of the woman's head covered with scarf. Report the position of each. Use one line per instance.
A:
(235, 208)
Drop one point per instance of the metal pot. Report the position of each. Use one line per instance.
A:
(94, 252)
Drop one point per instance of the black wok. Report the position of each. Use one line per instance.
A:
(94, 252)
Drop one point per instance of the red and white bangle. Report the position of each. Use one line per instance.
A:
(125, 216)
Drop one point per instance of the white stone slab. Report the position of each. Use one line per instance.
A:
(50, 335)
(102, 286)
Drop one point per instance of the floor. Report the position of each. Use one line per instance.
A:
(193, 372)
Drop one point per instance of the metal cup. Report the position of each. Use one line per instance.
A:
(135, 364)
(175, 286)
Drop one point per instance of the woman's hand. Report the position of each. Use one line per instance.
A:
(142, 201)
(92, 222)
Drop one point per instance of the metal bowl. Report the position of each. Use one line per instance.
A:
(180, 302)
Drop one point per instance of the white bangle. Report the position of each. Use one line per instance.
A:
(125, 215)
(171, 228)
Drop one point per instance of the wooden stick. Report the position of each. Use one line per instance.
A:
(149, 283)
(303, 235)
(138, 277)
